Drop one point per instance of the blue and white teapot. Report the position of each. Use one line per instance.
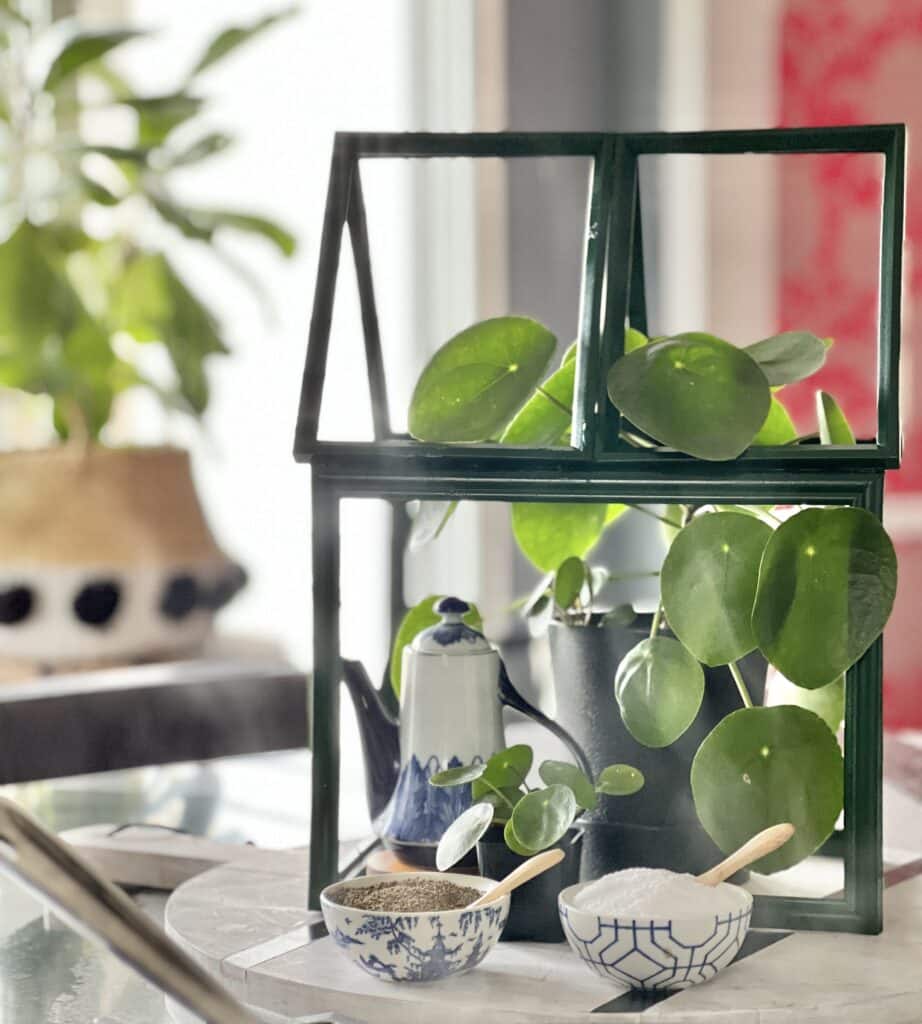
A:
(454, 686)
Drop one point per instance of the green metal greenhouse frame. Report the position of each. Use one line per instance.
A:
(599, 467)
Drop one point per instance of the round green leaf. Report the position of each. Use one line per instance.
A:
(826, 588)
(462, 834)
(620, 780)
(513, 843)
(709, 582)
(550, 532)
(827, 701)
(659, 687)
(457, 776)
(473, 385)
(762, 766)
(509, 767)
(560, 772)
(778, 427)
(569, 581)
(788, 357)
(540, 818)
(421, 616)
(694, 392)
(834, 427)
(541, 422)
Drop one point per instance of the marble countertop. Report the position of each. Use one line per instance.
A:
(248, 924)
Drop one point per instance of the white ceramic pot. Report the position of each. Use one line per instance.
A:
(656, 953)
(414, 947)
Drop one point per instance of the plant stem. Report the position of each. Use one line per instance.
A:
(78, 432)
(554, 401)
(657, 618)
(635, 440)
(740, 684)
(654, 515)
(499, 793)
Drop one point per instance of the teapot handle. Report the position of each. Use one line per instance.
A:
(511, 697)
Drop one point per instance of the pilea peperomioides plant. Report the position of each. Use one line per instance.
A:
(532, 819)
(810, 588)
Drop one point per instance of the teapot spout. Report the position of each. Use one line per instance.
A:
(379, 735)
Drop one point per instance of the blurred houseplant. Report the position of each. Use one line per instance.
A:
(739, 588)
(104, 552)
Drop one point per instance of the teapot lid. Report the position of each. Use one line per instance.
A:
(451, 636)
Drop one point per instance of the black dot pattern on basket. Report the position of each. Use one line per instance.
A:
(16, 604)
(180, 596)
(220, 593)
(97, 602)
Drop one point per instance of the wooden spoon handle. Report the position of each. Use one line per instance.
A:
(522, 874)
(761, 844)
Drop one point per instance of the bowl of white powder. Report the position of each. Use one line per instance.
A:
(651, 929)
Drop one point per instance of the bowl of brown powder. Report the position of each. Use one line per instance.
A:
(413, 926)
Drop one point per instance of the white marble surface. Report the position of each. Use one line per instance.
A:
(249, 925)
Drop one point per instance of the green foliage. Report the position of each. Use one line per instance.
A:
(544, 420)
(65, 296)
(709, 582)
(620, 780)
(834, 427)
(462, 835)
(659, 687)
(533, 819)
(788, 357)
(474, 384)
(762, 766)
(421, 616)
(826, 588)
(231, 38)
(549, 533)
(540, 819)
(569, 581)
(693, 392)
(80, 50)
(509, 767)
(812, 593)
(553, 772)
(778, 427)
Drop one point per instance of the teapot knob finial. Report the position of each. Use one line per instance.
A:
(451, 608)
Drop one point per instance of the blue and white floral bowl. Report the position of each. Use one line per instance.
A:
(415, 947)
(658, 953)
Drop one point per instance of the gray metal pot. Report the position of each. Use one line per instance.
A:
(657, 827)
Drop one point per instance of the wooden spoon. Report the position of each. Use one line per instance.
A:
(523, 873)
(764, 842)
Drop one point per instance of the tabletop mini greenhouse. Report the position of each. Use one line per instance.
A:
(598, 466)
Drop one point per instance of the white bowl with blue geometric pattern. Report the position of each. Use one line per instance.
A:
(655, 953)
(415, 947)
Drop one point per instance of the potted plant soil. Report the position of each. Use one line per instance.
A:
(511, 821)
(104, 551)
(806, 590)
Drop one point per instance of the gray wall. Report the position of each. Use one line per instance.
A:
(582, 65)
